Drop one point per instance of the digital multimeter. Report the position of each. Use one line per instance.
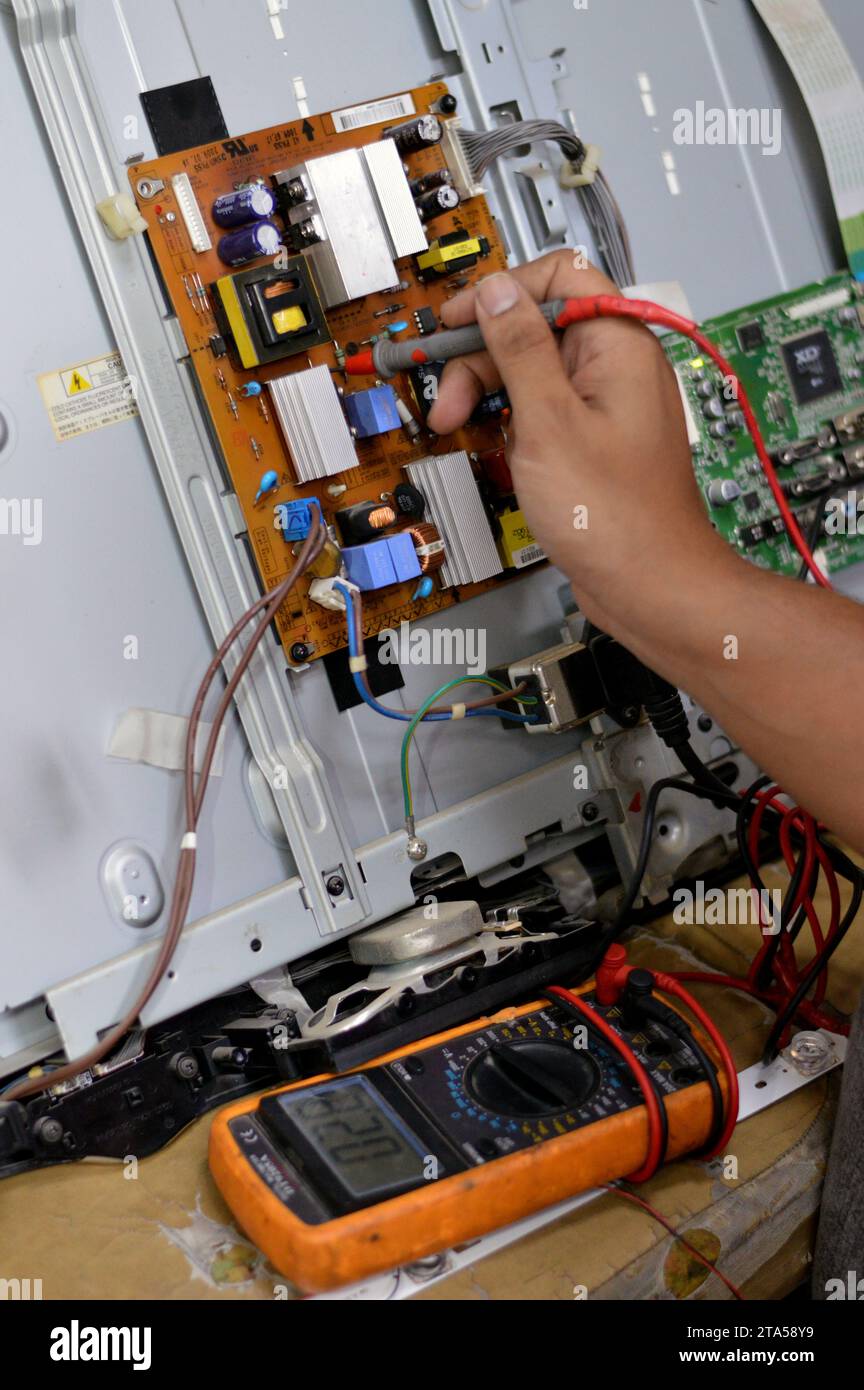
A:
(340, 1177)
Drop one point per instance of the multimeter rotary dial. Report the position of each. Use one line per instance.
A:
(526, 1079)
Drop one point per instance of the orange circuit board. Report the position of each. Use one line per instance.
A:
(179, 212)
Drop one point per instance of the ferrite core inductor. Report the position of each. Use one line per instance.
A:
(381, 518)
(429, 546)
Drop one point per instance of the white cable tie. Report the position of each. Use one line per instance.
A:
(357, 663)
(571, 177)
(457, 712)
(189, 841)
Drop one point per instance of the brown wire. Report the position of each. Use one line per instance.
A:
(267, 605)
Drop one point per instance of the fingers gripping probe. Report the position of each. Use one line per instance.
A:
(387, 358)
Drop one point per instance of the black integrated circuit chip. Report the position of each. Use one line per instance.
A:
(751, 336)
(812, 366)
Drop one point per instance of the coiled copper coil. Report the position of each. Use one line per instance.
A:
(381, 518)
(429, 546)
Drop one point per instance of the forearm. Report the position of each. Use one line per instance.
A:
(780, 666)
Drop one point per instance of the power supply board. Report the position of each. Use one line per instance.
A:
(800, 358)
(282, 251)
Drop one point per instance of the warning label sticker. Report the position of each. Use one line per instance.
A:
(87, 396)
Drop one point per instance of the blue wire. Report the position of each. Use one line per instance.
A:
(369, 699)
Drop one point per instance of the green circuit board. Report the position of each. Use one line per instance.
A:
(800, 357)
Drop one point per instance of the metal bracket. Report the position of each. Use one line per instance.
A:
(223, 574)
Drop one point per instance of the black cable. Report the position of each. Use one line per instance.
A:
(814, 534)
(661, 1099)
(692, 763)
(665, 1017)
(710, 1073)
(813, 971)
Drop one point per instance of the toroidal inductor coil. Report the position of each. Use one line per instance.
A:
(429, 546)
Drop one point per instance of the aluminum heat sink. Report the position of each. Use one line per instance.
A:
(310, 413)
(456, 508)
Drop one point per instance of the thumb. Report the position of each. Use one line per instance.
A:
(520, 343)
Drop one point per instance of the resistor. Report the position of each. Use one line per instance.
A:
(263, 411)
(410, 424)
(402, 286)
(232, 406)
(390, 309)
(220, 378)
(256, 447)
(201, 292)
(189, 293)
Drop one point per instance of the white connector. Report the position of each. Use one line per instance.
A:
(322, 592)
(456, 160)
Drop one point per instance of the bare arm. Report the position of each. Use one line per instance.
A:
(601, 463)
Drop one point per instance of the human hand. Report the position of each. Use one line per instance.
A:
(598, 447)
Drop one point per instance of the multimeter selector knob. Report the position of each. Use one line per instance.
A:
(532, 1078)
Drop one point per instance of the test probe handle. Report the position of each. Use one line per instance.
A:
(388, 357)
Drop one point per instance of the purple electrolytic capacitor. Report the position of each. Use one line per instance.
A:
(248, 243)
(243, 205)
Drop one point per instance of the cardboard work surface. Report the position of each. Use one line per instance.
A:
(101, 1231)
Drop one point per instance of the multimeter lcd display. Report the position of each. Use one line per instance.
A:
(356, 1135)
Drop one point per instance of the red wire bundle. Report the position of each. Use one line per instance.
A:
(786, 974)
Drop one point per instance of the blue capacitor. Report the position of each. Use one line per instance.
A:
(251, 388)
(396, 327)
(378, 564)
(372, 412)
(248, 243)
(243, 205)
(403, 554)
(423, 590)
(268, 481)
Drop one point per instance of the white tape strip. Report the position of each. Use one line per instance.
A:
(458, 712)
(189, 841)
(159, 740)
(357, 663)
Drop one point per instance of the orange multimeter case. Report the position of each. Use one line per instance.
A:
(342, 1176)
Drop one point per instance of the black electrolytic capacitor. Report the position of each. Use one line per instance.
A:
(443, 199)
(416, 134)
(435, 179)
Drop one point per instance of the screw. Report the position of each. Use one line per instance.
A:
(184, 1065)
(417, 849)
(448, 103)
(590, 811)
(705, 722)
(335, 886)
(300, 651)
(48, 1130)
